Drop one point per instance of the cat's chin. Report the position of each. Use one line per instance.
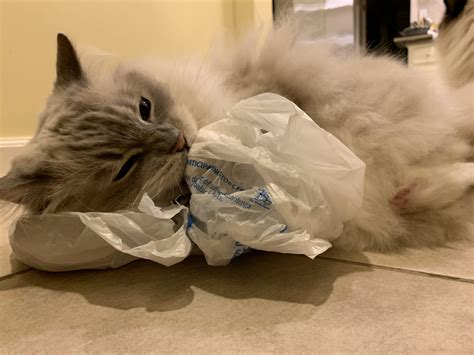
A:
(169, 183)
(172, 195)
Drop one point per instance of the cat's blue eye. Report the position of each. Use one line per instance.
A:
(145, 108)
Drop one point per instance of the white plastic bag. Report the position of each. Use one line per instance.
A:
(72, 241)
(269, 178)
(266, 177)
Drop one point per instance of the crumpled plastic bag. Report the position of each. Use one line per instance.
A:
(266, 177)
(73, 241)
(269, 178)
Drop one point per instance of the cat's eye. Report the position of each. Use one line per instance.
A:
(127, 166)
(145, 108)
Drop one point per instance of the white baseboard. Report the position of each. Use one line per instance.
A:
(10, 148)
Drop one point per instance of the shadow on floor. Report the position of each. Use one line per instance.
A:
(143, 284)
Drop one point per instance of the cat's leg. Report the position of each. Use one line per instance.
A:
(435, 205)
(435, 227)
(377, 225)
(379, 230)
(438, 205)
(433, 188)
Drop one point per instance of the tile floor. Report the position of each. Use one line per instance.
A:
(419, 301)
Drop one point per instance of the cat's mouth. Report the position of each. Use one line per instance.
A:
(181, 144)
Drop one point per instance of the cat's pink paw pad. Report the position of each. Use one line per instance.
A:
(400, 200)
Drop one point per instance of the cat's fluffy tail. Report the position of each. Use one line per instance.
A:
(465, 122)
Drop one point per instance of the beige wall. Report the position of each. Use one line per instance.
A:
(129, 28)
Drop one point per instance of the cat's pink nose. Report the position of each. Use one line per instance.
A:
(180, 143)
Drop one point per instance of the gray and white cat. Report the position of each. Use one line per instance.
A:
(102, 140)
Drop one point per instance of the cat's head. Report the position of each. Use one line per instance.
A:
(100, 144)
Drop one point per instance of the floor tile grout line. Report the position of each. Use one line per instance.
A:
(395, 269)
(13, 274)
(358, 263)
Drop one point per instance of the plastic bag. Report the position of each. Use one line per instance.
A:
(266, 177)
(269, 178)
(73, 241)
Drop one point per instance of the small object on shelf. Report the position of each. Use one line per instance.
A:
(414, 31)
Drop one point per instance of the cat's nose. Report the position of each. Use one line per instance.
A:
(180, 143)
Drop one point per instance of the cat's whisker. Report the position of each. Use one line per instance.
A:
(181, 78)
(142, 191)
(163, 171)
(178, 185)
(203, 62)
(160, 188)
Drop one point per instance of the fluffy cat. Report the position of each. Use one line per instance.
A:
(102, 140)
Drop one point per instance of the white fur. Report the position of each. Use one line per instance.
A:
(408, 129)
(400, 122)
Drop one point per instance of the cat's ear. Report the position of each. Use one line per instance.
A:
(454, 7)
(27, 184)
(68, 66)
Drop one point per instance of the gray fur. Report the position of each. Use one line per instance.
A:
(87, 135)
